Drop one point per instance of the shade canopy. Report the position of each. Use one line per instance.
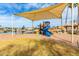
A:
(54, 11)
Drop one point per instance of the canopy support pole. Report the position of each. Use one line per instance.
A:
(78, 17)
(72, 23)
(61, 23)
(32, 25)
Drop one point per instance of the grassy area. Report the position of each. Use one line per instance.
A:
(32, 47)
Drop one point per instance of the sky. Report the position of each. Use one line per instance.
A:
(8, 19)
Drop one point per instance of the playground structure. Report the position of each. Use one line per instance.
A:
(27, 40)
(51, 12)
(54, 12)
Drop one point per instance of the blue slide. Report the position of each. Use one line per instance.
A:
(46, 32)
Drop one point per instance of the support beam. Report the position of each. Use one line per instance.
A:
(61, 23)
(78, 15)
(32, 25)
(78, 18)
(72, 23)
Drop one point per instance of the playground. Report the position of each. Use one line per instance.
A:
(43, 40)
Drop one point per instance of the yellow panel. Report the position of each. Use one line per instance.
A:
(58, 10)
(45, 13)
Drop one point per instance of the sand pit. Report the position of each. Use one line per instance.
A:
(19, 44)
(57, 36)
(32, 47)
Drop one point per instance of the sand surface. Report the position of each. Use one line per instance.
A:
(57, 36)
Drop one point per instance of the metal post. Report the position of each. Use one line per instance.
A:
(78, 18)
(78, 15)
(72, 21)
(32, 25)
(61, 23)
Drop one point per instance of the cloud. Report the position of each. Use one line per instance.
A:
(12, 8)
(8, 9)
